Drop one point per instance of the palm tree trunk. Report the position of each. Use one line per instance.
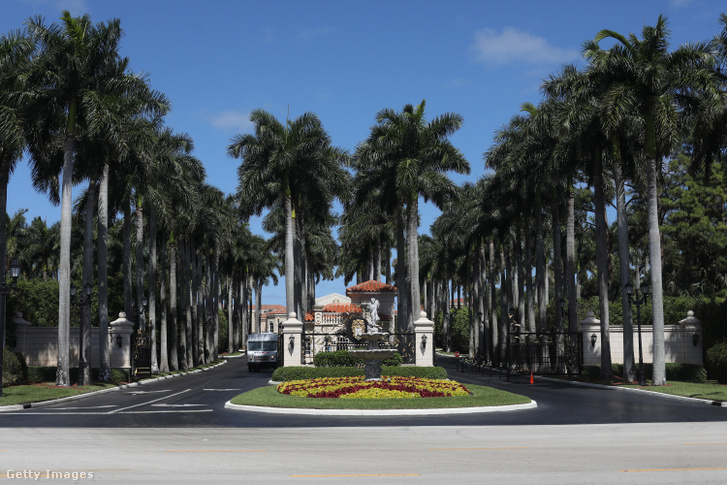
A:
(64, 268)
(289, 258)
(214, 351)
(84, 358)
(657, 300)
(140, 265)
(4, 179)
(602, 261)
(557, 264)
(128, 295)
(629, 372)
(103, 288)
(174, 340)
(570, 265)
(231, 316)
(492, 303)
(529, 289)
(152, 275)
(401, 274)
(164, 329)
(540, 273)
(413, 260)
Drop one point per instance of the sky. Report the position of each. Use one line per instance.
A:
(217, 60)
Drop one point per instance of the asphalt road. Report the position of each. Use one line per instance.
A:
(197, 400)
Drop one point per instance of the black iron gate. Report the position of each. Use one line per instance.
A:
(141, 364)
(545, 353)
(315, 342)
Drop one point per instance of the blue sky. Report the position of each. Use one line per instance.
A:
(217, 60)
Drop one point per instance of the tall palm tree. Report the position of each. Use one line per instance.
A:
(644, 79)
(72, 56)
(293, 163)
(420, 155)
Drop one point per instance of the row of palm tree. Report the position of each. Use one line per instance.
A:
(70, 101)
(603, 126)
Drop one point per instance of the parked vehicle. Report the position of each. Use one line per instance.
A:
(262, 351)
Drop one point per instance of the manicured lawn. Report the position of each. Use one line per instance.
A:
(714, 392)
(481, 396)
(43, 392)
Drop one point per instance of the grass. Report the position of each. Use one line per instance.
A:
(44, 392)
(713, 392)
(481, 396)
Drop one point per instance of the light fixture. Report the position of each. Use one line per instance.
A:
(15, 271)
(594, 338)
(291, 344)
(695, 339)
(119, 340)
(424, 343)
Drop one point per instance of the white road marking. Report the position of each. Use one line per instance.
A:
(148, 402)
(136, 393)
(176, 405)
(222, 390)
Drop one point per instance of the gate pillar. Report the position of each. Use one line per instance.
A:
(424, 341)
(292, 341)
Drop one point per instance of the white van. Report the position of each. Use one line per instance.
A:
(262, 350)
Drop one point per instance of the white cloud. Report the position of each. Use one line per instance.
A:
(512, 45)
(678, 4)
(231, 121)
(75, 7)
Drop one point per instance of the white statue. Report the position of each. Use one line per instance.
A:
(373, 316)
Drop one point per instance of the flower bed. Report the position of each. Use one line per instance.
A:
(390, 387)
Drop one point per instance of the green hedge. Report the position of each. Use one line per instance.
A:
(342, 358)
(33, 375)
(674, 372)
(295, 373)
(13, 368)
(717, 362)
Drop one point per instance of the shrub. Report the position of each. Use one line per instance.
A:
(13, 365)
(282, 374)
(337, 358)
(717, 362)
(674, 372)
(393, 361)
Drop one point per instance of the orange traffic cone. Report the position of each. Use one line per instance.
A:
(531, 377)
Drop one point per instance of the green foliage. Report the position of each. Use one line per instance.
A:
(48, 374)
(13, 366)
(717, 362)
(222, 337)
(37, 300)
(461, 330)
(337, 358)
(393, 361)
(282, 374)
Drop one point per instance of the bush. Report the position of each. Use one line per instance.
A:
(717, 362)
(13, 366)
(393, 361)
(282, 374)
(337, 358)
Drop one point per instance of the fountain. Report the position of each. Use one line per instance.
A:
(371, 332)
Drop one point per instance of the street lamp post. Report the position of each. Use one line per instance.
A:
(84, 379)
(4, 290)
(638, 300)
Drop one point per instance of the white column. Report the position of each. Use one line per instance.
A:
(424, 341)
(292, 341)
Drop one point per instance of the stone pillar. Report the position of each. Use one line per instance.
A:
(424, 341)
(588, 327)
(689, 347)
(121, 332)
(292, 341)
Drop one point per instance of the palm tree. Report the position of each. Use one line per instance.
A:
(419, 154)
(643, 79)
(292, 163)
(72, 57)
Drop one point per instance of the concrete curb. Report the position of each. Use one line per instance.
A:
(380, 412)
(41, 404)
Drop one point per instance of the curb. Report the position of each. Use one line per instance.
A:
(41, 404)
(381, 412)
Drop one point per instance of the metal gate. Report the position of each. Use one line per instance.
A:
(326, 342)
(141, 365)
(545, 353)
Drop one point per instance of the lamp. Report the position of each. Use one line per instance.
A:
(638, 301)
(594, 339)
(119, 340)
(695, 339)
(291, 344)
(424, 343)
